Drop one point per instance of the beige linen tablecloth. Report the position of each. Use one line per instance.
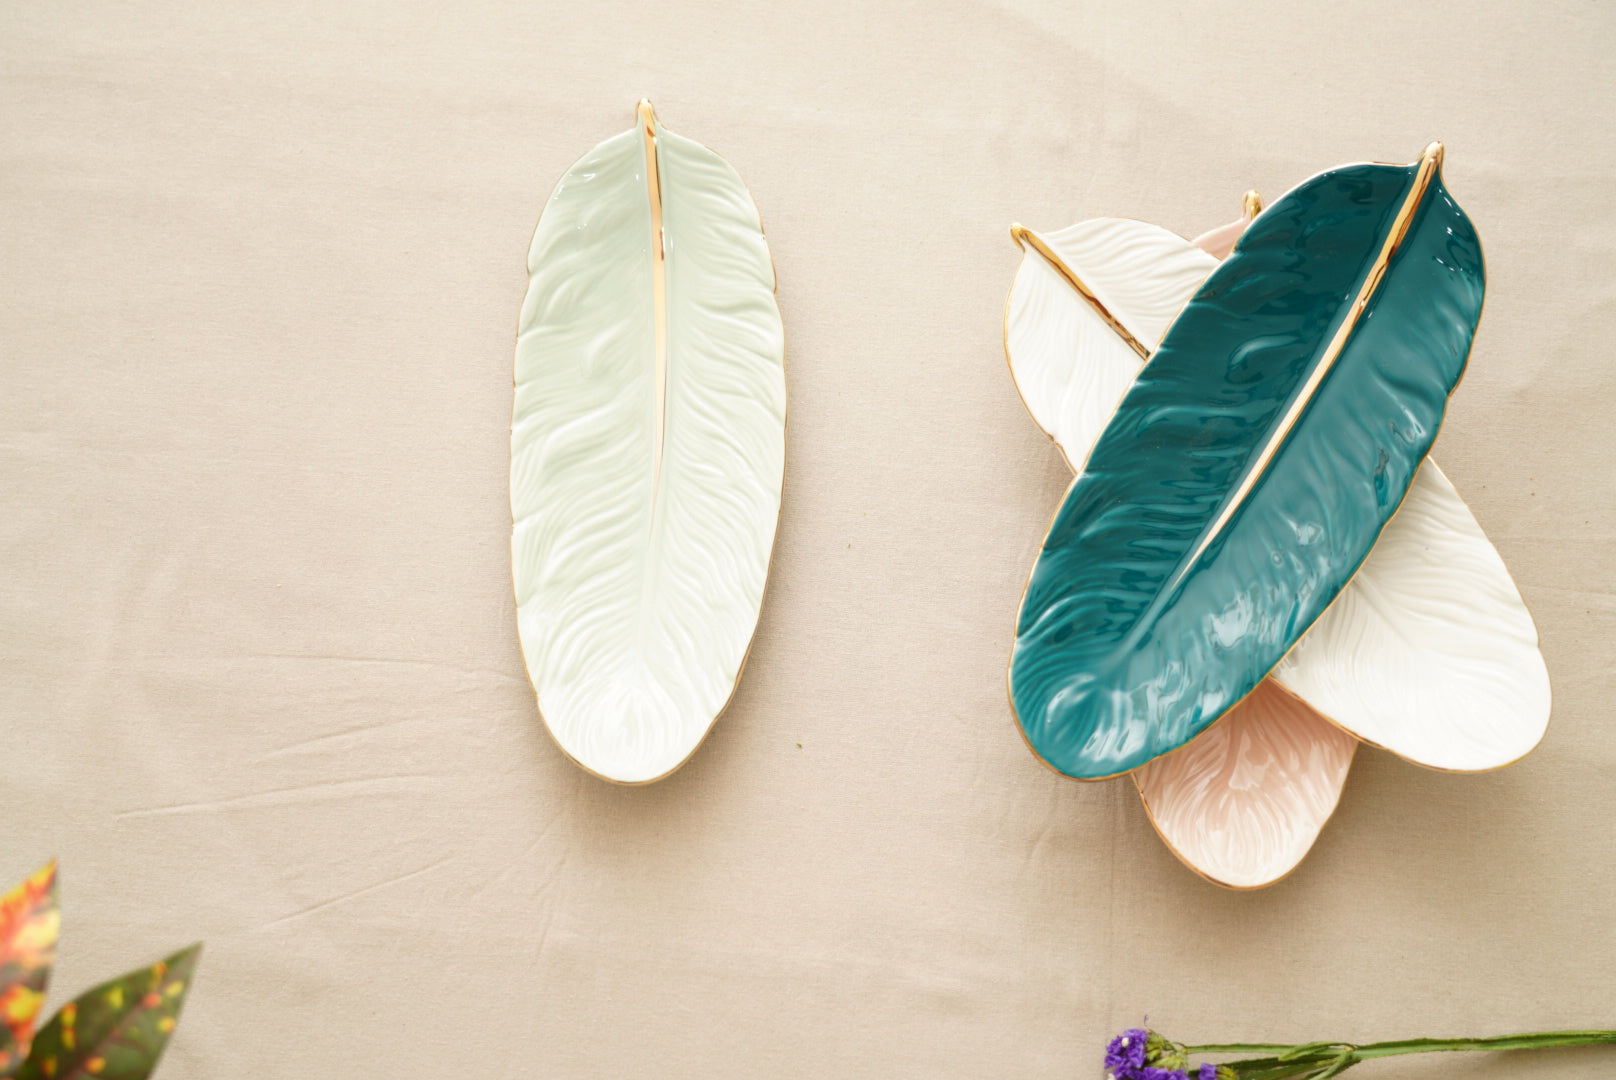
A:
(260, 268)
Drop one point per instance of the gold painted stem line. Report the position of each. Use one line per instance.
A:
(1430, 162)
(659, 293)
(1025, 237)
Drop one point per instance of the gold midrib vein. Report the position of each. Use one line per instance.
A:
(659, 304)
(1430, 162)
(1026, 237)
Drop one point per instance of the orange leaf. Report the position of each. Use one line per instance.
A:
(29, 924)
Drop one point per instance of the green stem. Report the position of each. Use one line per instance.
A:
(1530, 1041)
(1321, 1059)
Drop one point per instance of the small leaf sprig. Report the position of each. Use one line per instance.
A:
(1140, 1054)
(116, 1031)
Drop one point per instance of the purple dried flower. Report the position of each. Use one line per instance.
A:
(1207, 1071)
(1150, 1072)
(1125, 1054)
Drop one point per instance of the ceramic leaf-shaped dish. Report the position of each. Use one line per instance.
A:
(647, 449)
(1243, 803)
(1249, 469)
(1428, 649)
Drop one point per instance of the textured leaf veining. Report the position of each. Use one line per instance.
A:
(639, 584)
(1136, 632)
(1243, 803)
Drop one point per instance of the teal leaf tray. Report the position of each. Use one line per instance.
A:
(1250, 469)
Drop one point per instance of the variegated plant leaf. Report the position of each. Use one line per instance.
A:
(30, 922)
(118, 1030)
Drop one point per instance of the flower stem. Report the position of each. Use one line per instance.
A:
(1531, 1041)
(1318, 1060)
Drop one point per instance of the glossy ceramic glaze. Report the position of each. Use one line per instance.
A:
(647, 449)
(1243, 802)
(1249, 470)
(1428, 650)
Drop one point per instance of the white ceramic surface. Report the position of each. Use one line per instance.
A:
(1070, 367)
(647, 454)
(1429, 652)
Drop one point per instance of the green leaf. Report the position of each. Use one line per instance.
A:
(1340, 1065)
(116, 1031)
(1249, 469)
(30, 921)
(1310, 1048)
(1274, 1069)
